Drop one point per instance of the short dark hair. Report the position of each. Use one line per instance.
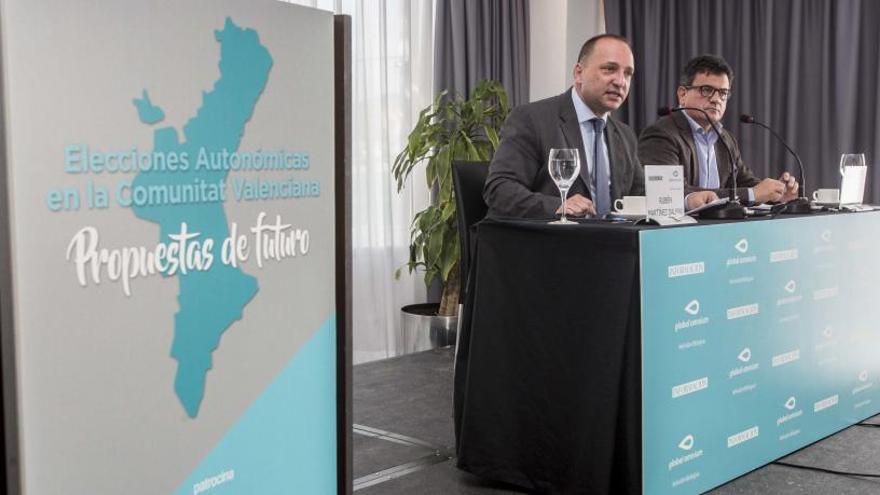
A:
(705, 64)
(587, 48)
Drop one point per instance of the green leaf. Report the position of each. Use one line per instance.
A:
(452, 128)
(493, 136)
(451, 250)
(430, 275)
(447, 211)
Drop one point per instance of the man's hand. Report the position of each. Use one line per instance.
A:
(699, 198)
(769, 191)
(791, 187)
(578, 206)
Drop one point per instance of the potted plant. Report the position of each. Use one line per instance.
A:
(452, 128)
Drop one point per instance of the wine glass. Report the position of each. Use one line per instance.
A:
(851, 160)
(564, 165)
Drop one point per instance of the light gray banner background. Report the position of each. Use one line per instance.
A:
(97, 408)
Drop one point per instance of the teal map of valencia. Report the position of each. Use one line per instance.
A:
(209, 300)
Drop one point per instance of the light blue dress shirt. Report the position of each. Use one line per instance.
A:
(584, 114)
(704, 141)
(706, 159)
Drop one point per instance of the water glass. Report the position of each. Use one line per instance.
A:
(564, 165)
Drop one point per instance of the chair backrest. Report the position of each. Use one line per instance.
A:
(468, 179)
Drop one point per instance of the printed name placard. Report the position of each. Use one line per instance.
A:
(664, 194)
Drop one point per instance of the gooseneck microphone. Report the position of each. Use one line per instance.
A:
(732, 209)
(800, 205)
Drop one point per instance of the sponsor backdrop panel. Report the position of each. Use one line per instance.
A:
(170, 174)
(757, 338)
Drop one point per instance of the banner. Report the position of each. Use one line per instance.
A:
(758, 338)
(170, 179)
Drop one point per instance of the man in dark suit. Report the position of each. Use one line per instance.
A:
(686, 138)
(519, 183)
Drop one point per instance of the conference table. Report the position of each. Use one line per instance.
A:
(620, 358)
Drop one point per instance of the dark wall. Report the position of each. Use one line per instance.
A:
(808, 68)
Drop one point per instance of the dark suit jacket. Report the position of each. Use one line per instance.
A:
(519, 184)
(670, 141)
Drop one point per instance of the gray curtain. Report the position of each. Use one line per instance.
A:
(477, 40)
(807, 68)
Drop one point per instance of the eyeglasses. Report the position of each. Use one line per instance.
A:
(707, 91)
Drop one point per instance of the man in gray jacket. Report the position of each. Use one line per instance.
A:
(519, 184)
(687, 138)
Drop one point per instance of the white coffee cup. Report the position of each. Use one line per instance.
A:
(826, 195)
(630, 204)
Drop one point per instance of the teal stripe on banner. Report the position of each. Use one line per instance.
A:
(286, 441)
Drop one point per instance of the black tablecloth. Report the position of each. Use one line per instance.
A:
(548, 370)
(548, 378)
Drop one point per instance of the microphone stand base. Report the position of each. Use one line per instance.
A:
(799, 206)
(730, 211)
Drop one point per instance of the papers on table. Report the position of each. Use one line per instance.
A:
(713, 204)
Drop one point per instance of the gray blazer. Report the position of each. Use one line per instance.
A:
(670, 141)
(519, 184)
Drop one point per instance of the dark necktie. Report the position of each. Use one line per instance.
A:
(602, 201)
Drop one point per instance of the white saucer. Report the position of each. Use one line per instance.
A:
(628, 215)
(834, 204)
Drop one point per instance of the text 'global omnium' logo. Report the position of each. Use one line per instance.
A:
(791, 414)
(790, 294)
(864, 384)
(691, 309)
(687, 443)
(744, 357)
(742, 247)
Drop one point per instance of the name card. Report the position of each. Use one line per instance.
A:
(664, 194)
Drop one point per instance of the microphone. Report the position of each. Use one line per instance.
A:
(800, 205)
(732, 209)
